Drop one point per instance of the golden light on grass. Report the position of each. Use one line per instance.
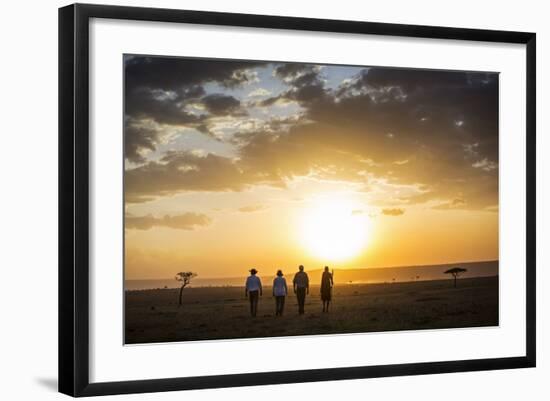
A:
(333, 229)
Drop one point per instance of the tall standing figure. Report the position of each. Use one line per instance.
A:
(280, 290)
(327, 282)
(253, 290)
(301, 288)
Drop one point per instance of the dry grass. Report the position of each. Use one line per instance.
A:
(222, 313)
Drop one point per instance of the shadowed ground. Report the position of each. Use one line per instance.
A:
(222, 312)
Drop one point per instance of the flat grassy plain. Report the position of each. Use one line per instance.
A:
(211, 313)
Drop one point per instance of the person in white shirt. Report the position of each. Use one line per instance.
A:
(253, 290)
(280, 290)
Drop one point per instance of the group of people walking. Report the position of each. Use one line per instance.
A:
(300, 284)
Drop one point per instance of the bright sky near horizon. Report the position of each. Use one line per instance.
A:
(235, 164)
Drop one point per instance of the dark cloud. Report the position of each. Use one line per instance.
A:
(305, 82)
(186, 221)
(440, 133)
(393, 212)
(219, 104)
(163, 108)
(176, 73)
(186, 171)
(159, 89)
(456, 203)
(137, 139)
(437, 130)
(298, 75)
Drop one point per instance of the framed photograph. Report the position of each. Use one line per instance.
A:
(250, 199)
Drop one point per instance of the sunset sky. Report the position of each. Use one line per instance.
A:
(235, 164)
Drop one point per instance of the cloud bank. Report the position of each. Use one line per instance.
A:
(185, 221)
(436, 131)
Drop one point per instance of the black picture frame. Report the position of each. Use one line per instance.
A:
(74, 200)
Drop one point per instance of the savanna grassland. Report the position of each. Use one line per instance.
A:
(211, 313)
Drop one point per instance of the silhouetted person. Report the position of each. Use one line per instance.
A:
(280, 290)
(253, 290)
(301, 288)
(326, 288)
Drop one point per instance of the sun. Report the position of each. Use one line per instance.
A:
(334, 229)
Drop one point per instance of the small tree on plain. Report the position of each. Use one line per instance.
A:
(185, 279)
(456, 271)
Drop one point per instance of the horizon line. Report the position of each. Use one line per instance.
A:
(321, 268)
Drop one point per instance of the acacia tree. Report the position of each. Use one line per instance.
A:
(456, 271)
(185, 279)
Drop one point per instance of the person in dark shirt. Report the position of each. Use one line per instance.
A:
(327, 283)
(301, 288)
